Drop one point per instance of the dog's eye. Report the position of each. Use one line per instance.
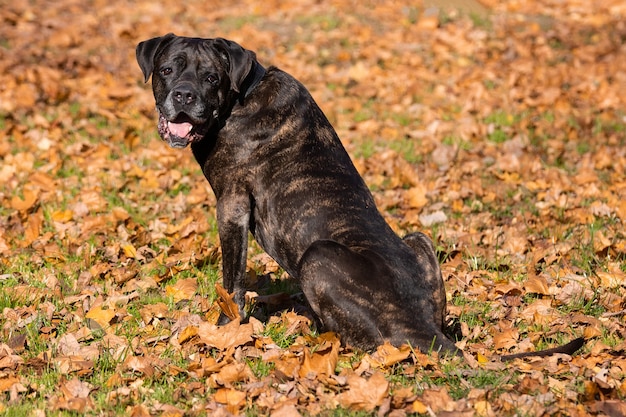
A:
(212, 78)
(166, 71)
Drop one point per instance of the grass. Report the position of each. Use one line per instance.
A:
(278, 332)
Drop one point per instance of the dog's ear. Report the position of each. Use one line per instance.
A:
(146, 52)
(239, 60)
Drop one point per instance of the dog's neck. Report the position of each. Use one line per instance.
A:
(252, 80)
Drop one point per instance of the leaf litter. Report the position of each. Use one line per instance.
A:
(500, 132)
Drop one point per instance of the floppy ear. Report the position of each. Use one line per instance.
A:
(240, 61)
(146, 52)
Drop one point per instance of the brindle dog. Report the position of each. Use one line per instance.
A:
(279, 171)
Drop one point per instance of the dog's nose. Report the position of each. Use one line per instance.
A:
(184, 96)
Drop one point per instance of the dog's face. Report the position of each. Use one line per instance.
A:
(194, 81)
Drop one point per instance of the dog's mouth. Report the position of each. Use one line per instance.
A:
(181, 131)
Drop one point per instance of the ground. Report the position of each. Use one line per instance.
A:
(498, 129)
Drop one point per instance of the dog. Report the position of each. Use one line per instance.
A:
(280, 172)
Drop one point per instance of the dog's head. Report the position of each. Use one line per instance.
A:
(194, 82)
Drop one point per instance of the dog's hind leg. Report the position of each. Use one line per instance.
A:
(426, 257)
(354, 294)
(340, 286)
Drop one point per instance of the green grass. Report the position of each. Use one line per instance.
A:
(279, 334)
(407, 148)
(365, 149)
(260, 368)
(325, 22)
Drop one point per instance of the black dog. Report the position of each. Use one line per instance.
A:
(278, 170)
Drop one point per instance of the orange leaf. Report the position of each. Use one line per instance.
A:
(30, 197)
(233, 399)
(437, 399)
(230, 374)
(7, 382)
(226, 303)
(225, 337)
(101, 316)
(287, 365)
(612, 279)
(364, 394)
(324, 360)
(506, 339)
(537, 284)
(387, 355)
(33, 228)
(141, 364)
(416, 196)
(184, 289)
(151, 311)
(62, 216)
(419, 407)
(129, 250)
(187, 333)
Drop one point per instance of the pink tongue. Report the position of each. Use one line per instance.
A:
(179, 129)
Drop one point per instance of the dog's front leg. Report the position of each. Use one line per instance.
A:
(233, 222)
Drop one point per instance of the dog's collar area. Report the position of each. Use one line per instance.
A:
(253, 78)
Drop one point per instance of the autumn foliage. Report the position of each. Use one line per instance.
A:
(498, 129)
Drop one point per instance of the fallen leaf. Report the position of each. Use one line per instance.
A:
(232, 398)
(76, 388)
(62, 216)
(225, 337)
(101, 315)
(7, 382)
(184, 289)
(438, 399)
(536, 284)
(506, 339)
(226, 303)
(230, 374)
(387, 355)
(364, 394)
(323, 360)
(140, 364)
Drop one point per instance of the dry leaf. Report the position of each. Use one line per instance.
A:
(537, 284)
(416, 197)
(506, 339)
(387, 355)
(101, 314)
(364, 394)
(226, 303)
(323, 360)
(438, 399)
(286, 410)
(129, 250)
(62, 216)
(230, 374)
(225, 337)
(76, 388)
(233, 399)
(140, 364)
(25, 203)
(7, 382)
(184, 289)
(612, 279)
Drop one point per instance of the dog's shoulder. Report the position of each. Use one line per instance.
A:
(282, 84)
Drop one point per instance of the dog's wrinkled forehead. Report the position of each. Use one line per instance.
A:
(193, 51)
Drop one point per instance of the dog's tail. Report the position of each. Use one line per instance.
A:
(568, 349)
